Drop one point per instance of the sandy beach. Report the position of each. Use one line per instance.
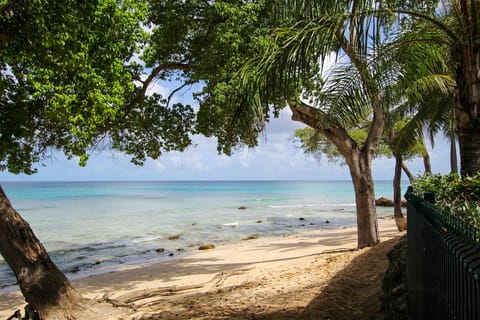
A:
(314, 275)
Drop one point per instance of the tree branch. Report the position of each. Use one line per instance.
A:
(313, 117)
(187, 83)
(155, 72)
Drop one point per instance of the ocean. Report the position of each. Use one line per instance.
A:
(95, 227)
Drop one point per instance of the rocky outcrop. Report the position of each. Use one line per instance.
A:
(386, 202)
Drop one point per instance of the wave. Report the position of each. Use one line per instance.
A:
(147, 239)
(270, 199)
(230, 224)
(293, 206)
(312, 205)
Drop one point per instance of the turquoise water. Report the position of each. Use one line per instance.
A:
(92, 227)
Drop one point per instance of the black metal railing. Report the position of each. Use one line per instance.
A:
(443, 263)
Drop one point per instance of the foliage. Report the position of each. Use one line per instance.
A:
(206, 42)
(427, 81)
(457, 195)
(312, 142)
(69, 81)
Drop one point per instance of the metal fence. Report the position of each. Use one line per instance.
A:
(443, 264)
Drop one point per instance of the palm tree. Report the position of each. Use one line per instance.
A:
(355, 91)
(428, 86)
(454, 26)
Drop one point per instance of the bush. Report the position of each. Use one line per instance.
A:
(457, 195)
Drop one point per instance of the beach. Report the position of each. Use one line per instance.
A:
(316, 274)
(96, 227)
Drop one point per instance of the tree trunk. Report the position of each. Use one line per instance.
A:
(367, 227)
(359, 162)
(467, 99)
(44, 286)
(453, 154)
(453, 144)
(426, 156)
(407, 171)
(469, 141)
(400, 220)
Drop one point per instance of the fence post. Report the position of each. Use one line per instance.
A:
(415, 263)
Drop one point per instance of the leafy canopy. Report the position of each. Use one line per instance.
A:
(69, 81)
(458, 195)
(207, 42)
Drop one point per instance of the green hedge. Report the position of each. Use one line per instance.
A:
(457, 195)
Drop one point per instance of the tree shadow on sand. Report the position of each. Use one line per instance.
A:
(353, 293)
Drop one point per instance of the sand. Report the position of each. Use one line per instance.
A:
(314, 275)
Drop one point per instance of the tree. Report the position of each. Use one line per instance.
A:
(215, 39)
(69, 82)
(356, 91)
(207, 42)
(397, 121)
(453, 26)
(465, 44)
(314, 143)
(428, 84)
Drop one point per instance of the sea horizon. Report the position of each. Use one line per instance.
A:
(188, 180)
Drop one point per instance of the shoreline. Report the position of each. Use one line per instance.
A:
(232, 265)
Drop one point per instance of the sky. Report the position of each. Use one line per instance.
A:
(276, 158)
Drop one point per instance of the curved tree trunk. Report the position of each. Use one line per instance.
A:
(359, 162)
(407, 171)
(44, 286)
(400, 220)
(426, 156)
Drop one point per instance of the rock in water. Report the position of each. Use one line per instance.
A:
(386, 202)
(206, 247)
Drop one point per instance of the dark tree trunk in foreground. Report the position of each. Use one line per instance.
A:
(467, 99)
(400, 220)
(467, 113)
(43, 285)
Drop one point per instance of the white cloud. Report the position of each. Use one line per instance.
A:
(158, 88)
(159, 165)
(245, 158)
(175, 161)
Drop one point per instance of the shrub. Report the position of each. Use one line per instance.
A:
(457, 195)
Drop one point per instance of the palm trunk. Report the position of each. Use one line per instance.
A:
(469, 141)
(467, 101)
(426, 156)
(453, 144)
(407, 171)
(453, 154)
(400, 220)
(43, 285)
